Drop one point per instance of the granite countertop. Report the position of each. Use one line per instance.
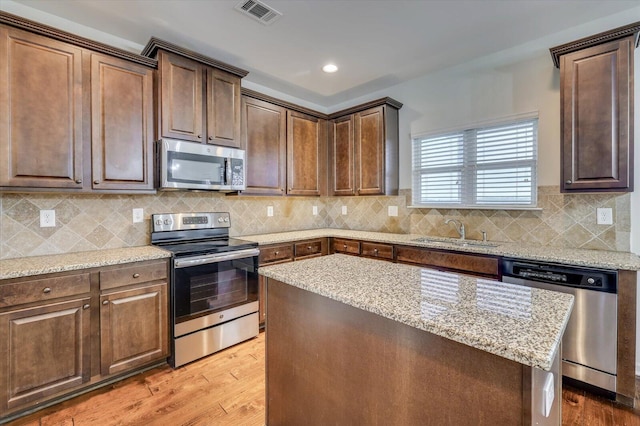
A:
(577, 257)
(36, 265)
(519, 323)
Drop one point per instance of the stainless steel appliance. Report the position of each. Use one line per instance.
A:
(589, 346)
(213, 286)
(189, 165)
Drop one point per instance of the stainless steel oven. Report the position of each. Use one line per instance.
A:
(214, 284)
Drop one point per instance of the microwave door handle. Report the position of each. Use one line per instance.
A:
(227, 171)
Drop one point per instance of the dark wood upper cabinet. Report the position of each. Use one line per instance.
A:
(264, 127)
(596, 99)
(41, 111)
(181, 104)
(122, 124)
(341, 155)
(306, 154)
(199, 96)
(363, 149)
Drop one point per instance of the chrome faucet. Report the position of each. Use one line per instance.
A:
(459, 227)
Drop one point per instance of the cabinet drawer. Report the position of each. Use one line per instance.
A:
(346, 246)
(43, 289)
(381, 251)
(277, 253)
(132, 274)
(308, 248)
(487, 266)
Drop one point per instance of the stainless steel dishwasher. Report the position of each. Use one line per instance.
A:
(589, 346)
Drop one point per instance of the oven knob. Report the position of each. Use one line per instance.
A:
(591, 280)
(167, 222)
(220, 220)
(226, 219)
(159, 222)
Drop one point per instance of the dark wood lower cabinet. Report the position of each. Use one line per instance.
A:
(44, 350)
(466, 263)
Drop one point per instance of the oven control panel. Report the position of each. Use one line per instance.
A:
(188, 221)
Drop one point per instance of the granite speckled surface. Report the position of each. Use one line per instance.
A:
(578, 257)
(515, 322)
(36, 265)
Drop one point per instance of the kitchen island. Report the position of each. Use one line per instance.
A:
(360, 341)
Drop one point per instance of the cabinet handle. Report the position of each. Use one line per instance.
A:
(105, 302)
(569, 182)
(345, 246)
(375, 251)
(309, 248)
(281, 189)
(46, 290)
(199, 136)
(136, 275)
(210, 138)
(277, 253)
(85, 306)
(78, 181)
(96, 182)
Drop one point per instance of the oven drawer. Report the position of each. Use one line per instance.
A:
(308, 249)
(127, 275)
(44, 289)
(277, 253)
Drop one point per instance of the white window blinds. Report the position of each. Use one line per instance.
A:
(493, 167)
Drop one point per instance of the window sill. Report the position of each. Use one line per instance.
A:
(454, 207)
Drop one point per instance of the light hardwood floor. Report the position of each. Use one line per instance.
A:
(227, 388)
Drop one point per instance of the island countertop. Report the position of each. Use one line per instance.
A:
(518, 323)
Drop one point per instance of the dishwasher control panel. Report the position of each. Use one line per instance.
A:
(572, 276)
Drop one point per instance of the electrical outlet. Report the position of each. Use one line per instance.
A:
(47, 218)
(315, 210)
(392, 211)
(269, 211)
(138, 215)
(344, 210)
(604, 216)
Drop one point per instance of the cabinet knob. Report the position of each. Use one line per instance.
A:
(569, 182)
(281, 189)
(276, 253)
(199, 136)
(309, 248)
(85, 306)
(375, 251)
(136, 275)
(78, 181)
(210, 138)
(105, 302)
(96, 182)
(345, 246)
(46, 290)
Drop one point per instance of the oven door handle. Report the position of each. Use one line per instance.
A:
(215, 258)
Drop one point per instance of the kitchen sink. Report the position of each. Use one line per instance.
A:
(458, 243)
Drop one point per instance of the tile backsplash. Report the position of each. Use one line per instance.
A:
(90, 222)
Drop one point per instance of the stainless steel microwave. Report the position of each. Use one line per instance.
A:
(189, 165)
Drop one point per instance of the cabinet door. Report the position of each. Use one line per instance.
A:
(223, 108)
(133, 328)
(306, 154)
(596, 94)
(341, 161)
(44, 350)
(264, 138)
(370, 151)
(262, 299)
(122, 124)
(181, 97)
(41, 111)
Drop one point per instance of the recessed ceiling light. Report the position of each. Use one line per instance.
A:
(330, 68)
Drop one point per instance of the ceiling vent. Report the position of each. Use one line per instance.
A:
(258, 11)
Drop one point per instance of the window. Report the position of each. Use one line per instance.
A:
(487, 167)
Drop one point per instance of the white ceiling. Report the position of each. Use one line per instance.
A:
(375, 43)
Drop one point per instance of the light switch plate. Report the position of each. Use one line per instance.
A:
(344, 210)
(47, 218)
(269, 211)
(138, 215)
(315, 210)
(604, 216)
(393, 210)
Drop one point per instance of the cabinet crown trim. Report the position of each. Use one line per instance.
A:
(155, 44)
(371, 104)
(600, 38)
(54, 33)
